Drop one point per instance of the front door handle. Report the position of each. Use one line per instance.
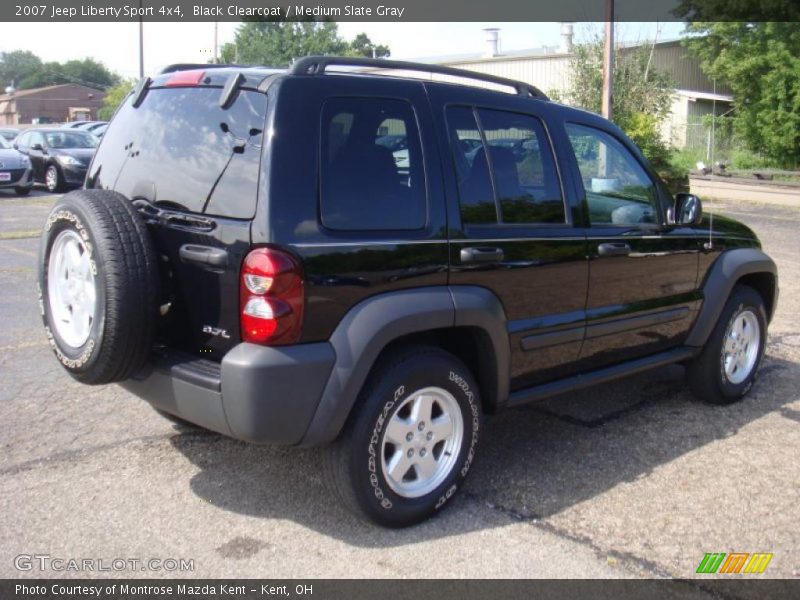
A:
(614, 249)
(481, 255)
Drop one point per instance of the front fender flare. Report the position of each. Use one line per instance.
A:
(731, 266)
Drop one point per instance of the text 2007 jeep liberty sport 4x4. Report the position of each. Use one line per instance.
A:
(375, 262)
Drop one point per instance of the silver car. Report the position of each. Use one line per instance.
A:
(15, 169)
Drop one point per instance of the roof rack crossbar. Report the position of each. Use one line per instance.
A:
(316, 65)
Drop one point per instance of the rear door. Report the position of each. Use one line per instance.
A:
(511, 224)
(192, 168)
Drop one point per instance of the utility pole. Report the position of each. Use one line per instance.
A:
(216, 44)
(608, 61)
(141, 42)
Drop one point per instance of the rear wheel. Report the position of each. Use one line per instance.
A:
(98, 286)
(728, 365)
(411, 439)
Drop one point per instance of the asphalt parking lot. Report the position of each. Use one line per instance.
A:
(631, 479)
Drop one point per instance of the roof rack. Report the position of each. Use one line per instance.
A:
(316, 65)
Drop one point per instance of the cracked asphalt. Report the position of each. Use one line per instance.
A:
(629, 479)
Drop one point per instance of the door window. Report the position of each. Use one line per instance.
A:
(505, 167)
(618, 190)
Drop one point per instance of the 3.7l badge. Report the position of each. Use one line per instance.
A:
(216, 331)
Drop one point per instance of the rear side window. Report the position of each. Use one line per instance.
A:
(180, 148)
(505, 167)
(371, 170)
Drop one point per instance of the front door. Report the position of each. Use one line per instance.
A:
(642, 273)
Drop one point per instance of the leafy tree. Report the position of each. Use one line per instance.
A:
(16, 66)
(277, 43)
(27, 71)
(641, 94)
(760, 63)
(363, 46)
(114, 97)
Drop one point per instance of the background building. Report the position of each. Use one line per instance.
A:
(548, 68)
(52, 104)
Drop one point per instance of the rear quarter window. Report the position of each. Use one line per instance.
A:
(180, 148)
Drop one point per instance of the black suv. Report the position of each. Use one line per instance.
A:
(372, 261)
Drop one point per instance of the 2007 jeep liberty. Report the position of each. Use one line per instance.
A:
(343, 254)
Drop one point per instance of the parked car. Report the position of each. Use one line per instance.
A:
(76, 124)
(59, 157)
(15, 169)
(100, 131)
(92, 126)
(8, 133)
(246, 257)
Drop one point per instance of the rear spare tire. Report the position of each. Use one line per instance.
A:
(98, 286)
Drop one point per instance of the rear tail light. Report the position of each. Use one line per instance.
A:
(271, 297)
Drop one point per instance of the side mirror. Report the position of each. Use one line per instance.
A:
(688, 209)
(37, 147)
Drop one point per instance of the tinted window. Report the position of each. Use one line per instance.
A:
(618, 189)
(505, 168)
(182, 149)
(521, 161)
(372, 175)
(474, 183)
(70, 139)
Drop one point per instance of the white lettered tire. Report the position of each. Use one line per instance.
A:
(98, 286)
(410, 440)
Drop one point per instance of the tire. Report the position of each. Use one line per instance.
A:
(22, 191)
(98, 286)
(727, 367)
(357, 463)
(53, 179)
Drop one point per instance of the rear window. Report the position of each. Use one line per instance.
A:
(180, 148)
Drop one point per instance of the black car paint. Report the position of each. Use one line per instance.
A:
(566, 309)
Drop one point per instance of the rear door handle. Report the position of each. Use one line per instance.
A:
(481, 255)
(614, 249)
(204, 255)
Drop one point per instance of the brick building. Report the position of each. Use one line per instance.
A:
(51, 104)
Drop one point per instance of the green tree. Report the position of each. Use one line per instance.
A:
(363, 46)
(114, 97)
(16, 66)
(27, 71)
(641, 94)
(760, 63)
(277, 43)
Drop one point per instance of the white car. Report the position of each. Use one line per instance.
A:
(15, 169)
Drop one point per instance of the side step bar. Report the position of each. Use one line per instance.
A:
(583, 380)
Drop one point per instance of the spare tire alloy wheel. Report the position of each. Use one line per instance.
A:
(71, 290)
(98, 286)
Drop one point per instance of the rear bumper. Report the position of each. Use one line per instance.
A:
(257, 394)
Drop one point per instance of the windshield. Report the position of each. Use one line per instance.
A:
(4, 144)
(70, 139)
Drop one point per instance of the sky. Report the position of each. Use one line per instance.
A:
(117, 44)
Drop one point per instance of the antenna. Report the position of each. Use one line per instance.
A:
(709, 245)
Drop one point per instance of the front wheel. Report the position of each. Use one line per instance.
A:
(53, 180)
(411, 439)
(727, 367)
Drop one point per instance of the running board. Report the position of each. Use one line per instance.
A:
(583, 380)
